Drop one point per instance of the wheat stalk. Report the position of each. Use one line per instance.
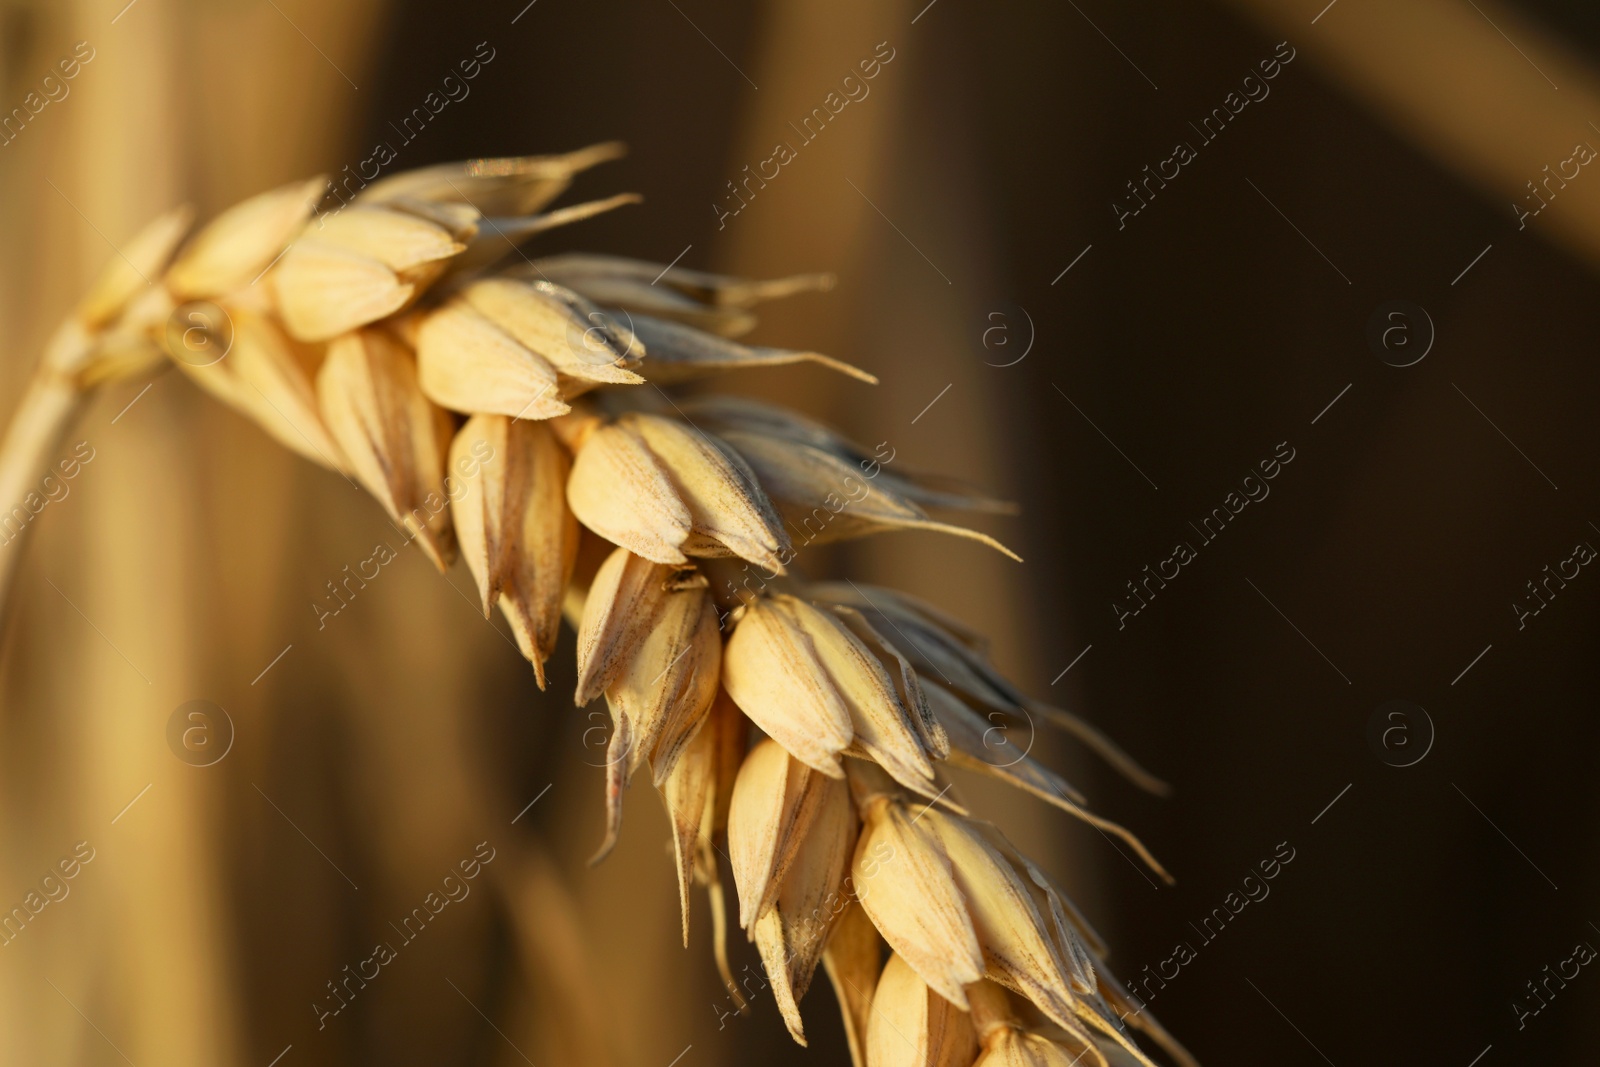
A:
(513, 415)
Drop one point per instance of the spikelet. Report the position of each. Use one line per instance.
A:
(1036, 946)
(945, 653)
(238, 245)
(1019, 950)
(625, 599)
(824, 484)
(394, 438)
(467, 363)
(912, 1026)
(793, 929)
(358, 266)
(954, 899)
(671, 679)
(807, 678)
(665, 492)
(775, 799)
(648, 639)
(904, 880)
(513, 525)
(130, 273)
(585, 346)
(775, 673)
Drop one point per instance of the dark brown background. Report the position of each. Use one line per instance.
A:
(1197, 339)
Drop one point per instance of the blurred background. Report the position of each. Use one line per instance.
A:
(1114, 347)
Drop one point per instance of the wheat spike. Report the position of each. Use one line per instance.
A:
(495, 410)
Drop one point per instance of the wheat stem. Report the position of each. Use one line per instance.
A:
(51, 401)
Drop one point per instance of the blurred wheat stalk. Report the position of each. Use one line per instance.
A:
(165, 110)
(512, 410)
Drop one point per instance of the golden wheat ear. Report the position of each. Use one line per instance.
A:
(803, 731)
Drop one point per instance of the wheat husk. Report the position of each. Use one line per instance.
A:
(912, 1026)
(393, 436)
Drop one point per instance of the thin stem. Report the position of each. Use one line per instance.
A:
(50, 403)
